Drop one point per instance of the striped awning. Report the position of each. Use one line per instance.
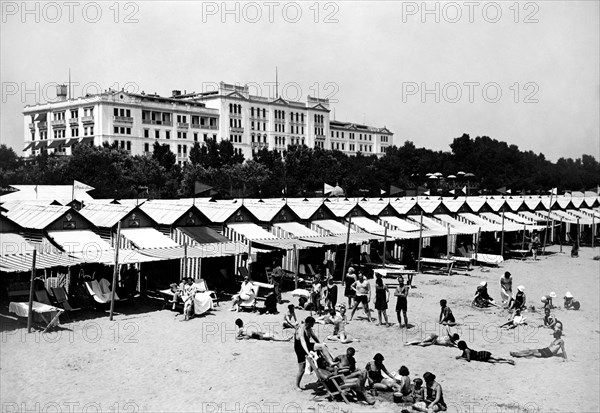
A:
(55, 143)
(331, 227)
(23, 262)
(207, 250)
(142, 238)
(458, 226)
(480, 222)
(107, 257)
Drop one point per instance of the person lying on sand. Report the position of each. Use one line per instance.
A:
(473, 355)
(357, 385)
(557, 345)
(446, 316)
(516, 320)
(243, 335)
(449, 340)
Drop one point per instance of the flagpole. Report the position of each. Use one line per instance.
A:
(384, 244)
(477, 244)
(30, 308)
(502, 237)
(115, 272)
(547, 220)
(523, 242)
(593, 230)
(560, 234)
(420, 244)
(346, 251)
(297, 266)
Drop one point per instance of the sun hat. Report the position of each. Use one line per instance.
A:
(521, 288)
(553, 294)
(483, 283)
(568, 295)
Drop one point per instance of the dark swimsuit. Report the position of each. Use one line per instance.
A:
(480, 355)
(300, 353)
(546, 352)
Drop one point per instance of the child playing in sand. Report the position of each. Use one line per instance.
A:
(446, 316)
(404, 381)
(418, 391)
(473, 355)
(570, 302)
(339, 324)
(516, 320)
(550, 321)
(289, 319)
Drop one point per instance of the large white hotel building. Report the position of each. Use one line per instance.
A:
(136, 121)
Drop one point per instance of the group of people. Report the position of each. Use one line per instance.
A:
(358, 292)
(425, 394)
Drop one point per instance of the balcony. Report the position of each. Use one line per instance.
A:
(167, 123)
(74, 121)
(183, 125)
(60, 123)
(122, 119)
(236, 130)
(213, 127)
(42, 125)
(87, 119)
(259, 145)
(197, 126)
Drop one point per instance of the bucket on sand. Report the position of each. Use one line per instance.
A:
(397, 397)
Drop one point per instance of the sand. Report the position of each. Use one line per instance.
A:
(148, 360)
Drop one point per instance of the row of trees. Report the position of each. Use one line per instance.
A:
(299, 170)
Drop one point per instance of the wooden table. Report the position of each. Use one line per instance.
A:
(462, 261)
(522, 253)
(444, 265)
(395, 273)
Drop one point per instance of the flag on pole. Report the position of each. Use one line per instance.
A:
(382, 192)
(428, 192)
(509, 191)
(553, 191)
(80, 186)
(452, 191)
(464, 189)
(200, 188)
(502, 190)
(394, 190)
(327, 189)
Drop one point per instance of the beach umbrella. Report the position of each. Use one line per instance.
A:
(438, 174)
(469, 175)
(451, 176)
(460, 173)
(428, 174)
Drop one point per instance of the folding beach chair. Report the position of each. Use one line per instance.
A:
(41, 296)
(203, 288)
(62, 299)
(333, 386)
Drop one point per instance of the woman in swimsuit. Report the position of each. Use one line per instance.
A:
(434, 398)
(303, 345)
(473, 355)
(446, 316)
(448, 340)
(557, 345)
(374, 369)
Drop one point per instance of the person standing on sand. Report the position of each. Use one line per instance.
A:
(348, 281)
(402, 303)
(382, 296)
(303, 346)
(362, 289)
(506, 288)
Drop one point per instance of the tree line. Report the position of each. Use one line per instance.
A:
(301, 171)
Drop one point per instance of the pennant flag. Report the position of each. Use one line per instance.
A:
(35, 189)
(327, 189)
(523, 192)
(200, 188)
(382, 192)
(509, 191)
(394, 190)
(452, 191)
(80, 186)
(428, 192)
(553, 191)
(464, 189)
(502, 190)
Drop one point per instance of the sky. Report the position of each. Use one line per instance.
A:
(527, 73)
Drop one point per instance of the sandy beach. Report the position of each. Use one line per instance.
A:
(148, 360)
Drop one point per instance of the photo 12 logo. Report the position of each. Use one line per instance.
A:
(469, 11)
(69, 407)
(270, 11)
(455, 92)
(37, 92)
(69, 12)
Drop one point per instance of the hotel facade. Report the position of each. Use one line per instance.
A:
(135, 121)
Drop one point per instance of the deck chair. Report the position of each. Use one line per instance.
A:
(250, 304)
(334, 385)
(368, 262)
(243, 272)
(98, 294)
(62, 299)
(203, 287)
(41, 296)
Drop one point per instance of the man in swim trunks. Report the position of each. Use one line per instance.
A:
(449, 340)
(363, 295)
(474, 355)
(303, 345)
(552, 350)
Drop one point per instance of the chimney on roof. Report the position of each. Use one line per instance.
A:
(176, 93)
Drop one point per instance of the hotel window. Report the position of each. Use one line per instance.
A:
(205, 137)
(156, 133)
(123, 130)
(195, 136)
(128, 131)
(214, 136)
(115, 129)
(185, 150)
(91, 130)
(88, 111)
(74, 132)
(128, 145)
(146, 133)
(59, 115)
(74, 113)
(146, 147)
(264, 113)
(168, 134)
(252, 111)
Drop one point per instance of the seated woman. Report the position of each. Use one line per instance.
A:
(550, 321)
(434, 398)
(552, 350)
(516, 320)
(355, 384)
(519, 300)
(482, 298)
(473, 355)
(289, 319)
(570, 302)
(189, 292)
(446, 316)
(449, 340)
(339, 325)
(242, 335)
(246, 293)
(375, 369)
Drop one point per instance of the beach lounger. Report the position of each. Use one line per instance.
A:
(261, 290)
(49, 314)
(41, 296)
(99, 294)
(333, 386)
(62, 299)
(488, 259)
